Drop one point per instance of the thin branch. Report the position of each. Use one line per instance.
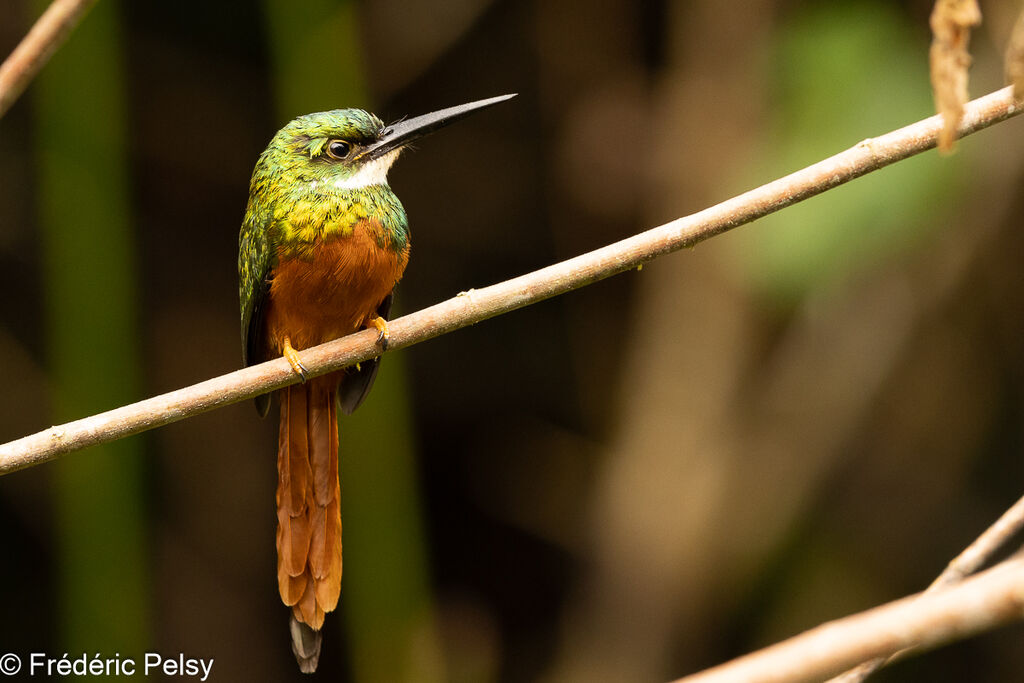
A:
(477, 305)
(927, 620)
(37, 47)
(983, 548)
(963, 565)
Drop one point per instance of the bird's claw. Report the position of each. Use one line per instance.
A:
(293, 359)
(383, 332)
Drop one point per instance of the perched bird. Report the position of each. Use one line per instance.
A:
(323, 243)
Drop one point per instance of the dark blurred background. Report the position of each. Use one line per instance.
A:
(800, 419)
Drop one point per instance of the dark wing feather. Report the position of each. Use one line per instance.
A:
(356, 384)
(254, 264)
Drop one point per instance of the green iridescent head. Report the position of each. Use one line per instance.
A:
(330, 147)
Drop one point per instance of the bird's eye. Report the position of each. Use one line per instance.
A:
(338, 149)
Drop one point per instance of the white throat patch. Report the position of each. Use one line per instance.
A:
(372, 173)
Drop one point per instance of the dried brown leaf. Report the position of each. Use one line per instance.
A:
(1015, 58)
(951, 23)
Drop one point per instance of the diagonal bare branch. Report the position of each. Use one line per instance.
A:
(477, 305)
(980, 551)
(37, 47)
(983, 602)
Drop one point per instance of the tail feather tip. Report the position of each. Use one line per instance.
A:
(305, 644)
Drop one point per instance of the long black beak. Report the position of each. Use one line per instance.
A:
(404, 132)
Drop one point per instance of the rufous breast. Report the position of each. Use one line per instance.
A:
(332, 290)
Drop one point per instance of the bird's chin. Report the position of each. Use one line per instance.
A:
(373, 172)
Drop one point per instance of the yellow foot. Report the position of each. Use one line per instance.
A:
(383, 333)
(293, 360)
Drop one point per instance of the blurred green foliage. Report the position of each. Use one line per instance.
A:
(316, 62)
(829, 68)
(92, 332)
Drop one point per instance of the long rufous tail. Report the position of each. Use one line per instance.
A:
(308, 512)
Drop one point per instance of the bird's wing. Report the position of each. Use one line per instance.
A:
(254, 264)
(356, 383)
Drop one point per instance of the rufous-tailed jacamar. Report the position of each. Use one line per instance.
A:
(322, 246)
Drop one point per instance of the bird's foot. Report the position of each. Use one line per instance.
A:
(383, 333)
(293, 359)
